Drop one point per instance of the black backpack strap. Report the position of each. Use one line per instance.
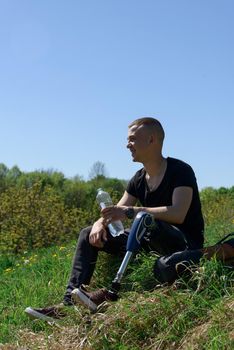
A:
(225, 237)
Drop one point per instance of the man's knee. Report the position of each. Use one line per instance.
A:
(168, 268)
(84, 233)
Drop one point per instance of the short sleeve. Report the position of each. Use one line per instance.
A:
(131, 188)
(184, 176)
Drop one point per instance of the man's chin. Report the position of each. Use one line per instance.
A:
(134, 160)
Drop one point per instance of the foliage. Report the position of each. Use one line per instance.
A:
(41, 208)
(36, 217)
(191, 314)
(218, 211)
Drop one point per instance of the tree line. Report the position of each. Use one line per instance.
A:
(43, 207)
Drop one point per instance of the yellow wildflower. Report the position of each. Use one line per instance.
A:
(9, 269)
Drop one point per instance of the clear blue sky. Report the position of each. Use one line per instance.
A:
(74, 74)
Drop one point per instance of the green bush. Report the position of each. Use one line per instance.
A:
(37, 217)
(218, 211)
(43, 208)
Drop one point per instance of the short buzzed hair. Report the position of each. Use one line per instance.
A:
(151, 123)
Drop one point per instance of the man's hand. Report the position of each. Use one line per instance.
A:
(113, 213)
(98, 234)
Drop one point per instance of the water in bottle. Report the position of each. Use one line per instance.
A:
(104, 200)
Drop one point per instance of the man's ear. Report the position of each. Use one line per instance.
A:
(151, 139)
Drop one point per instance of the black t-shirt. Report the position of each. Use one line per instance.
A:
(177, 174)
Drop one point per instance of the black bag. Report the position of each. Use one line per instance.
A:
(168, 268)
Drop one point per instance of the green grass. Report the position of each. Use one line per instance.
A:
(31, 279)
(197, 314)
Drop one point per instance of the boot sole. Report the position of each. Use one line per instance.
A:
(37, 315)
(78, 296)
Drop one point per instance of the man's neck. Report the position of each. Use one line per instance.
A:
(155, 167)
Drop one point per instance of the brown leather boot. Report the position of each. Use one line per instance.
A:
(223, 252)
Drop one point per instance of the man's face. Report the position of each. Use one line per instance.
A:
(138, 142)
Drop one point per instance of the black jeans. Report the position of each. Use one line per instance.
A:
(165, 239)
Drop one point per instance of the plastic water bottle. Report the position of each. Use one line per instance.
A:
(104, 200)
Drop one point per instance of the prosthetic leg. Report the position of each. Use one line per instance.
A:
(143, 222)
(93, 300)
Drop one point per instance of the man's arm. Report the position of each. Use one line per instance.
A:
(175, 213)
(128, 200)
(117, 212)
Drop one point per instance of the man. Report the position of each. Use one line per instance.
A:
(165, 188)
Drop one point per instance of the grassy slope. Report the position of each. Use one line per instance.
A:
(197, 315)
